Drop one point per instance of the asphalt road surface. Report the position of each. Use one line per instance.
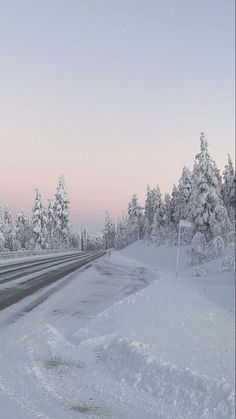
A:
(20, 279)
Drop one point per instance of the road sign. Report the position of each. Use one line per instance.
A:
(185, 223)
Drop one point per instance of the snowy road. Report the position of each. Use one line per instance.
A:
(21, 279)
(90, 346)
(29, 336)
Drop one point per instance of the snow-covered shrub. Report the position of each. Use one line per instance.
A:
(198, 249)
(198, 272)
(230, 240)
(16, 245)
(228, 189)
(220, 224)
(1, 242)
(228, 264)
(158, 236)
(215, 248)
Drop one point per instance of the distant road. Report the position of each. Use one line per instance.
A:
(20, 279)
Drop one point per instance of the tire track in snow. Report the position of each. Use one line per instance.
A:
(20, 400)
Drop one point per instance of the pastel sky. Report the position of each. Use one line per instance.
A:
(112, 93)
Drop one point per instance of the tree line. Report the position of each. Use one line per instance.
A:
(47, 228)
(202, 196)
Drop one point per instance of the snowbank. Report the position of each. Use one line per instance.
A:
(162, 257)
(124, 339)
(169, 342)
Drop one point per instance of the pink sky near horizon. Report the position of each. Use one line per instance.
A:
(96, 181)
(113, 95)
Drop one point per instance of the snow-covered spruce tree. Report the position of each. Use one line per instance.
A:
(157, 234)
(23, 231)
(198, 250)
(167, 210)
(173, 203)
(89, 241)
(121, 239)
(181, 203)
(61, 215)
(150, 210)
(228, 264)
(220, 224)
(168, 225)
(95, 241)
(118, 235)
(157, 231)
(50, 224)
(109, 231)
(206, 190)
(84, 239)
(2, 230)
(228, 189)
(181, 210)
(9, 229)
(75, 239)
(215, 248)
(170, 228)
(135, 220)
(39, 223)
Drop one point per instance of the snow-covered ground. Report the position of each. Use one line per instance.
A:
(124, 339)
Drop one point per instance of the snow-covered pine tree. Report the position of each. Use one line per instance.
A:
(206, 190)
(157, 231)
(135, 220)
(75, 239)
(151, 207)
(84, 239)
(50, 224)
(2, 230)
(121, 234)
(9, 229)
(149, 211)
(167, 210)
(95, 241)
(198, 248)
(118, 235)
(89, 240)
(168, 224)
(215, 248)
(23, 231)
(181, 204)
(181, 210)
(173, 204)
(220, 224)
(172, 231)
(228, 189)
(39, 223)
(61, 215)
(109, 231)
(78, 235)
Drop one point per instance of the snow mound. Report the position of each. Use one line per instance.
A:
(162, 257)
(176, 392)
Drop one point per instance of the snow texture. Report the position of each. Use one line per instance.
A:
(124, 339)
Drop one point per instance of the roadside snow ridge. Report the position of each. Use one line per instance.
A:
(191, 395)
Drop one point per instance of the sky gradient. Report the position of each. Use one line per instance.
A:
(113, 94)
